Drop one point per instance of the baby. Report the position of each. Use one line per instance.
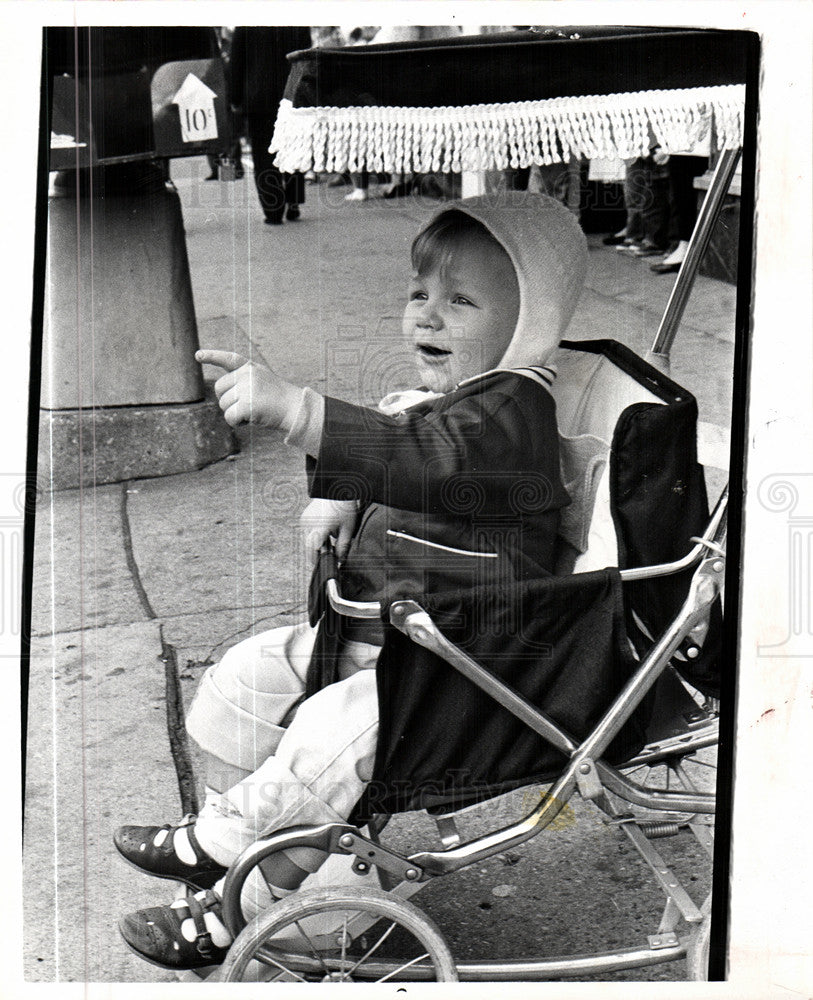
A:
(288, 720)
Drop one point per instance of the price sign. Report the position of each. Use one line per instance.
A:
(189, 107)
(196, 107)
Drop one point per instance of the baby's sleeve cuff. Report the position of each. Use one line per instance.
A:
(308, 423)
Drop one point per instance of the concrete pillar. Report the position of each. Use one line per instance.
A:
(121, 394)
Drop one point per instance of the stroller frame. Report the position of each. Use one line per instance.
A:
(605, 785)
(612, 791)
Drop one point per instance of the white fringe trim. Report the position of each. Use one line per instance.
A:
(496, 136)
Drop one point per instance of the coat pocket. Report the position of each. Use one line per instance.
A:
(433, 567)
(448, 549)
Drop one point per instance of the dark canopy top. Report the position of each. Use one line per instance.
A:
(518, 66)
(515, 99)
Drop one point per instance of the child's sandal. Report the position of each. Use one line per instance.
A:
(145, 848)
(155, 934)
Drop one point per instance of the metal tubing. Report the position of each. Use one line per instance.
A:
(321, 837)
(444, 862)
(704, 588)
(716, 521)
(577, 965)
(410, 618)
(372, 609)
(648, 798)
(511, 970)
(706, 219)
(351, 609)
(654, 753)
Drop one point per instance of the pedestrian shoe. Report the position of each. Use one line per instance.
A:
(293, 213)
(614, 239)
(400, 190)
(272, 222)
(151, 849)
(647, 250)
(154, 934)
(661, 267)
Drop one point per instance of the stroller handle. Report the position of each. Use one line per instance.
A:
(711, 541)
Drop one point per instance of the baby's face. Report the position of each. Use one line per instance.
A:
(461, 315)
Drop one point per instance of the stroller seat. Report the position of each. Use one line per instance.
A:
(566, 644)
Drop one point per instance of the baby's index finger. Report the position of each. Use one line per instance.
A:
(227, 360)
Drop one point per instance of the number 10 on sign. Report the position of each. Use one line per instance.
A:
(196, 109)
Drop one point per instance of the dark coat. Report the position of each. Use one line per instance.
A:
(259, 68)
(459, 492)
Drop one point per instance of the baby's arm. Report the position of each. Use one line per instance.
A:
(418, 461)
(252, 393)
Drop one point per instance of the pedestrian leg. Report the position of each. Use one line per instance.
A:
(267, 177)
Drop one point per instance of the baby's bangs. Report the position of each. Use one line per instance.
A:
(432, 248)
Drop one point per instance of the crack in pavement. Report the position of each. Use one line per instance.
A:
(298, 609)
(176, 724)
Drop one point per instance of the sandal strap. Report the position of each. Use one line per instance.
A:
(203, 939)
(211, 902)
(187, 820)
(200, 854)
(187, 823)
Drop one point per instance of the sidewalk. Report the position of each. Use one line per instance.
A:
(128, 575)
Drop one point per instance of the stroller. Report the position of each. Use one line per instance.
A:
(609, 692)
(602, 680)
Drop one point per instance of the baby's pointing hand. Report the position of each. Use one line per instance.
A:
(250, 392)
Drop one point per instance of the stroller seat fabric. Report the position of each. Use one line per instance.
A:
(569, 642)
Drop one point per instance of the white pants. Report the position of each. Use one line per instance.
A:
(305, 764)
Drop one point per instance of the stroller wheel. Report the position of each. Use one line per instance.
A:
(340, 935)
(677, 767)
(697, 952)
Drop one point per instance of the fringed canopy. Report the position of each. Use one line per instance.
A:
(515, 99)
(515, 134)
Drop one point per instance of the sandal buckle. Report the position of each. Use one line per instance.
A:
(203, 942)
